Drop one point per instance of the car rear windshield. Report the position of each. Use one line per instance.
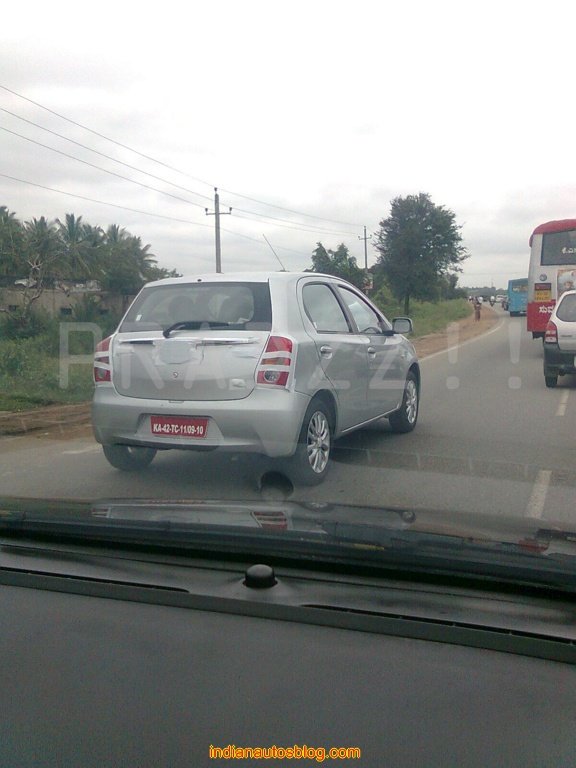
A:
(559, 248)
(207, 306)
(567, 309)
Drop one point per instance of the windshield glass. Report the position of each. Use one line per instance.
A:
(559, 248)
(219, 304)
(211, 219)
(567, 308)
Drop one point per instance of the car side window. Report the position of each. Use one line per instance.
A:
(364, 316)
(567, 309)
(323, 309)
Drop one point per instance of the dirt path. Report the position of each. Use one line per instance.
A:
(456, 333)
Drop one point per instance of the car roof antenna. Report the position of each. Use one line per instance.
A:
(275, 254)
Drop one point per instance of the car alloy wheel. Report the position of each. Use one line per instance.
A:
(318, 442)
(311, 460)
(405, 418)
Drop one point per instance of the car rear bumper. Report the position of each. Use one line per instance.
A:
(266, 421)
(557, 360)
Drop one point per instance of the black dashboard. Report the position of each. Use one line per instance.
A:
(114, 658)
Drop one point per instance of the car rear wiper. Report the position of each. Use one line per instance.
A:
(193, 325)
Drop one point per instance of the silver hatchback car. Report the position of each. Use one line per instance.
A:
(279, 364)
(560, 340)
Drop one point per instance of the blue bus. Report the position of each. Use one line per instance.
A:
(517, 302)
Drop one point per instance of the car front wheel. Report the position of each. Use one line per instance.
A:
(128, 458)
(310, 462)
(405, 418)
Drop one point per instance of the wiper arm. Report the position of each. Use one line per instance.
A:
(193, 325)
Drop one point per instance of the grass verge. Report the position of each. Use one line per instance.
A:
(429, 317)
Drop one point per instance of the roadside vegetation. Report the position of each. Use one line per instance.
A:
(30, 373)
(430, 317)
(39, 255)
(416, 274)
(30, 367)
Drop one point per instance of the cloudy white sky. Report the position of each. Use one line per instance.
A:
(328, 109)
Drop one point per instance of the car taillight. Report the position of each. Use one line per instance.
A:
(275, 519)
(551, 336)
(102, 371)
(276, 362)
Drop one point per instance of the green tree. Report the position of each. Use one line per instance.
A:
(11, 244)
(321, 261)
(77, 254)
(449, 288)
(419, 244)
(338, 263)
(128, 263)
(40, 253)
(43, 258)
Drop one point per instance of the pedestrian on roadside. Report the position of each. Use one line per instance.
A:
(477, 310)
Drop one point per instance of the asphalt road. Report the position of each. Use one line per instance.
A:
(490, 438)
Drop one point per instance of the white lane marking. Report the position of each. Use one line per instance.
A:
(90, 449)
(464, 343)
(537, 500)
(563, 403)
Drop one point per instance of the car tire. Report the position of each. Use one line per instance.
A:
(311, 460)
(128, 458)
(404, 419)
(551, 380)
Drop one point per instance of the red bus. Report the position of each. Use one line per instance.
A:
(552, 270)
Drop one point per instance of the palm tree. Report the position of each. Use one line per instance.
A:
(116, 234)
(11, 244)
(142, 257)
(129, 264)
(43, 257)
(71, 233)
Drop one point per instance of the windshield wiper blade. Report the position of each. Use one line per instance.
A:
(194, 325)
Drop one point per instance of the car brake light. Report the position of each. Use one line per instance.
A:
(274, 368)
(275, 519)
(551, 336)
(102, 370)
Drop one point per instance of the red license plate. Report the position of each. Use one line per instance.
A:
(178, 426)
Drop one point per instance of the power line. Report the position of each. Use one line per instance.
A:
(99, 168)
(289, 225)
(103, 202)
(289, 210)
(102, 154)
(144, 213)
(100, 135)
(304, 228)
(170, 167)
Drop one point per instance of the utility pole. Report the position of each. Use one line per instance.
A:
(365, 238)
(217, 215)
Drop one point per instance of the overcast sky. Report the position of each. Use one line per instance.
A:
(328, 109)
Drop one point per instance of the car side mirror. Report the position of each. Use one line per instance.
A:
(402, 325)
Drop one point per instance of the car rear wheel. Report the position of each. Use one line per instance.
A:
(128, 458)
(405, 418)
(311, 460)
(551, 380)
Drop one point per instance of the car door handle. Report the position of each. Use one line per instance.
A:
(326, 351)
(371, 351)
